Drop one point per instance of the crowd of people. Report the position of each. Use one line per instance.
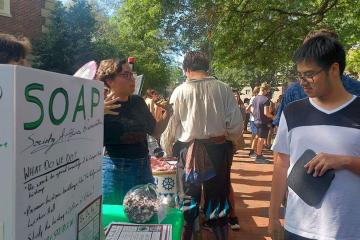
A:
(203, 123)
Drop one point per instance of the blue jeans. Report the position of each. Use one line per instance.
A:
(253, 128)
(122, 174)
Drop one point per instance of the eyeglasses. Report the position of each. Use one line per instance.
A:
(308, 76)
(127, 75)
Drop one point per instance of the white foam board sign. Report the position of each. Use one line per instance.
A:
(51, 139)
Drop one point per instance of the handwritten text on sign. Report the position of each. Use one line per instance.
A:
(59, 150)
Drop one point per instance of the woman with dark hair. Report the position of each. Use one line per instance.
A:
(13, 50)
(126, 161)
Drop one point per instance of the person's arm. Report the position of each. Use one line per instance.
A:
(267, 110)
(168, 137)
(162, 123)
(268, 113)
(153, 127)
(323, 162)
(278, 191)
(281, 148)
(352, 164)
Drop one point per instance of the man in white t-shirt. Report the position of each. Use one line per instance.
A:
(328, 122)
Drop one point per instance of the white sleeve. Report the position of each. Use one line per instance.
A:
(282, 140)
(168, 137)
(174, 95)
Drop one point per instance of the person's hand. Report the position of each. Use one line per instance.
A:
(323, 162)
(109, 104)
(275, 229)
(161, 102)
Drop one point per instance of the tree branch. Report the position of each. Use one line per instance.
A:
(269, 36)
(325, 7)
(325, 10)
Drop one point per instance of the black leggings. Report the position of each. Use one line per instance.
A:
(216, 190)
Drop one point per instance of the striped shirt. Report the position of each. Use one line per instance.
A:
(304, 125)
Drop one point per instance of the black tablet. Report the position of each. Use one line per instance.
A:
(310, 189)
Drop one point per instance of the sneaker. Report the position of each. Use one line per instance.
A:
(252, 154)
(234, 223)
(261, 160)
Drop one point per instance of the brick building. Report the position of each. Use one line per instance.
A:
(25, 17)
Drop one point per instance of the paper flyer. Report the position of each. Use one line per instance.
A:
(125, 231)
(89, 224)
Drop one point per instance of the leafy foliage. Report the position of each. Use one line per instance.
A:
(258, 36)
(353, 62)
(135, 30)
(249, 42)
(68, 42)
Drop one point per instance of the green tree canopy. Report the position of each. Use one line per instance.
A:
(68, 43)
(258, 36)
(136, 30)
(249, 42)
(353, 62)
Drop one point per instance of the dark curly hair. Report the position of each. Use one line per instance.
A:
(196, 61)
(13, 48)
(108, 69)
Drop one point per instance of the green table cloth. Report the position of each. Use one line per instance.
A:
(115, 213)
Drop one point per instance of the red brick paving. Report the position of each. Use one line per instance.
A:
(252, 186)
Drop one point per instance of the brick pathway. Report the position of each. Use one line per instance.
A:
(252, 186)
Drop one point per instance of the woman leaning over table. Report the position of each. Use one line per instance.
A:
(127, 121)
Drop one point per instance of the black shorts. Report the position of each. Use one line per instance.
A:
(262, 130)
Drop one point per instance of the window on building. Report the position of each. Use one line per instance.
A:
(5, 8)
